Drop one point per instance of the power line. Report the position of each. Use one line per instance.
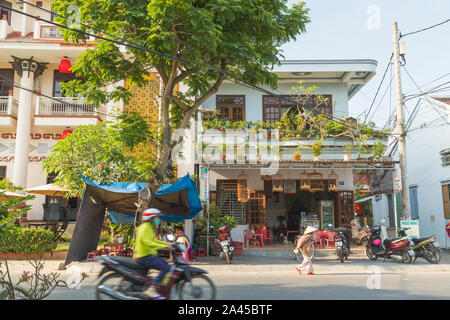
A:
(424, 29)
(430, 82)
(138, 47)
(382, 98)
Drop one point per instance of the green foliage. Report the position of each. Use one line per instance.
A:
(125, 230)
(215, 220)
(27, 241)
(317, 148)
(378, 149)
(102, 153)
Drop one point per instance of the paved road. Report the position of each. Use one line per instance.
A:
(254, 278)
(265, 278)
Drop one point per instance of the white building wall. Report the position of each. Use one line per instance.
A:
(425, 168)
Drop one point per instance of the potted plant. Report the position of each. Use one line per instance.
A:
(223, 150)
(316, 149)
(298, 154)
(348, 150)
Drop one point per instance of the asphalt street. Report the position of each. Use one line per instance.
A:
(264, 278)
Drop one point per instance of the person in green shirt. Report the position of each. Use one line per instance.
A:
(145, 250)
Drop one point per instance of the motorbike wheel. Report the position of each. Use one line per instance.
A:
(341, 255)
(227, 257)
(364, 241)
(406, 257)
(370, 254)
(199, 288)
(112, 280)
(432, 254)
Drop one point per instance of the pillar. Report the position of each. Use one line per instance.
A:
(28, 70)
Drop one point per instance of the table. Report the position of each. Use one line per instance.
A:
(292, 231)
(250, 236)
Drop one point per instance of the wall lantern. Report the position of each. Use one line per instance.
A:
(315, 181)
(332, 181)
(64, 66)
(304, 182)
(277, 183)
(242, 187)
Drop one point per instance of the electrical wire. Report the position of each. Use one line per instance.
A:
(138, 47)
(385, 92)
(424, 29)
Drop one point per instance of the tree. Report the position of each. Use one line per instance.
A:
(222, 37)
(103, 153)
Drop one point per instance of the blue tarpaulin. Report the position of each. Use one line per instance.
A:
(177, 201)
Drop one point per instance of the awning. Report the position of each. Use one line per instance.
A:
(364, 199)
(52, 190)
(177, 201)
(5, 195)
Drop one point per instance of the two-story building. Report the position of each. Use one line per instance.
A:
(262, 186)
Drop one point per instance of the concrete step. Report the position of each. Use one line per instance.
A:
(319, 253)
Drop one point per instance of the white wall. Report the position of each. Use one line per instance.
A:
(425, 170)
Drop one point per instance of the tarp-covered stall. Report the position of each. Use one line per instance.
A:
(177, 202)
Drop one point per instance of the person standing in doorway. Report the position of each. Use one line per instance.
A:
(304, 244)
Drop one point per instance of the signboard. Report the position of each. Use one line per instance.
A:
(397, 181)
(413, 225)
(204, 185)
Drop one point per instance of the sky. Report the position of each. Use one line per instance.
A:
(361, 29)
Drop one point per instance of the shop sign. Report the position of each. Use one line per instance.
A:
(412, 226)
(204, 185)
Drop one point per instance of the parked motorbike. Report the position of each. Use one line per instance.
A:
(226, 244)
(426, 248)
(342, 244)
(394, 248)
(124, 279)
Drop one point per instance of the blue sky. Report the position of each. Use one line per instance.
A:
(361, 29)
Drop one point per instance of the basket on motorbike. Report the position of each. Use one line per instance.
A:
(238, 246)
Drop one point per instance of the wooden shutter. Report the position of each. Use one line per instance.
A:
(345, 208)
(256, 209)
(227, 198)
(446, 200)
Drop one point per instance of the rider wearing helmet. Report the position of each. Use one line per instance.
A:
(146, 246)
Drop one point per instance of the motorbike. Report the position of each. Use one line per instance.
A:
(426, 248)
(342, 244)
(124, 279)
(394, 248)
(226, 244)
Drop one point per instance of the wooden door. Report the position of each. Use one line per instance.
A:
(256, 209)
(345, 208)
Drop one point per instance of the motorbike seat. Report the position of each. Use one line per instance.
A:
(129, 263)
(390, 241)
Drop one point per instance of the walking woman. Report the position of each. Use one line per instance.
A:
(304, 244)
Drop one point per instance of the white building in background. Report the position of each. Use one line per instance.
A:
(275, 186)
(31, 124)
(428, 165)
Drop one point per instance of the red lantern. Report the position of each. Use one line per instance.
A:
(65, 133)
(64, 66)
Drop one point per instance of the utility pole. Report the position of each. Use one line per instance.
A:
(400, 129)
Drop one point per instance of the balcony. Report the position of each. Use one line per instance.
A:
(65, 112)
(44, 31)
(8, 111)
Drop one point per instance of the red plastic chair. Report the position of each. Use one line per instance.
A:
(266, 235)
(319, 239)
(250, 235)
(330, 238)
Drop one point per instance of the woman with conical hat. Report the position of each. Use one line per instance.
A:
(304, 244)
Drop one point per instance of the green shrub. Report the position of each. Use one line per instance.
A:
(27, 241)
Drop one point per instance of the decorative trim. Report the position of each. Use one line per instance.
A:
(34, 136)
(30, 159)
(30, 65)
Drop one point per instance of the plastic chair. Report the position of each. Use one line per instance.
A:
(330, 238)
(91, 255)
(266, 235)
(115, 253)
(201, 252)
(249, 234)
(319, 239)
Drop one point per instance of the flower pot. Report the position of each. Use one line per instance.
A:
(268, 135)
(297, 157)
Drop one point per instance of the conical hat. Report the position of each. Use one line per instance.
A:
(309, 229)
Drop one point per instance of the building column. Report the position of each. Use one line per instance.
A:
(28, 70)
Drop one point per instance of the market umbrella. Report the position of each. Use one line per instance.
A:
(5, 195)
(52, 190)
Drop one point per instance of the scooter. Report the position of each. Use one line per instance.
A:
(426, 248)
(226, 244)
(394, 248)
(342, 244)
(124, 279)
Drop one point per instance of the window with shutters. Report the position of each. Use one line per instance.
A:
(231, 107)
(446, 200)
(414, 203)
(275, 106)
(227, 200)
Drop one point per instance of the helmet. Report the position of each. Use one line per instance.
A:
(150, 213)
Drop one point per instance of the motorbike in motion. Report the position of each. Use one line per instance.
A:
(426, 248)
(394, 248)
(226, 244)
(124, 279)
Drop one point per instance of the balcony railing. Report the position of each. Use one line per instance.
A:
(8, 106)
(65, 107)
